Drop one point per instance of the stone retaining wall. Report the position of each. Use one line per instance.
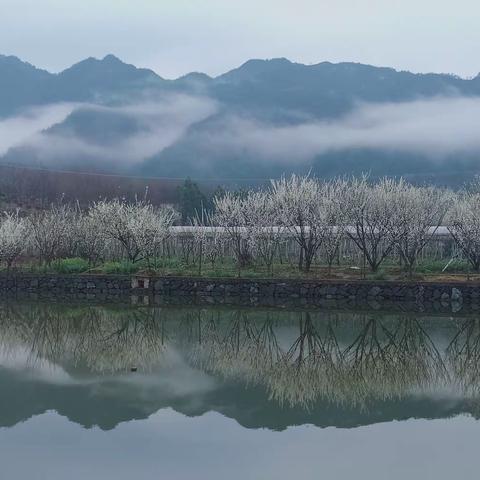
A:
(88, 287)
(112, 287)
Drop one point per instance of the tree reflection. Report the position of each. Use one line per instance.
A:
(380, 361)
(389, 360)
(98, 339)
(299, 358)
(237, 347)
(463, 354)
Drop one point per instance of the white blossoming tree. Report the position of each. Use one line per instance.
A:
(91, 243)
(372, 217)
(13, 238)
(298, 203)
(207, 240)
(139, 228)
(51, 232)
(265, 232)
(464, 226)
(230, 215)
(331, 221)
(420, 212)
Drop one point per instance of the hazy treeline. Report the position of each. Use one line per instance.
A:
(33, 188)
(37, 188)
(386, 219)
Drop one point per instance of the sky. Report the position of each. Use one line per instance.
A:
(174, 37)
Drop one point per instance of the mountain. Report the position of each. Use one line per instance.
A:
(86, 80)
(327, 89)
(21, 84)
(261, 119)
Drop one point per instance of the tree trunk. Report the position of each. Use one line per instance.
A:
(300, 261)
(308, 261)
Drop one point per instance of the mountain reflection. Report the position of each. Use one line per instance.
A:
(322, 367)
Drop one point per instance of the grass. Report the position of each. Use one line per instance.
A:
(437, 266)
(226, 268)
(70, 265)
(124, 267)
(62, 266)
(378, 275)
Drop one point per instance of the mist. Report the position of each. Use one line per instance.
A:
(21, 129)
(437, 128)
(158, 124)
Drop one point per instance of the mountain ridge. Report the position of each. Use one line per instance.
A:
(109, 57)
(227, 125)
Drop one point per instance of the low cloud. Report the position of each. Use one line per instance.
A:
(156, 125)
(21, 129)
(437, 127)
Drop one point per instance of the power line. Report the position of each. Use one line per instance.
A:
(131, 177)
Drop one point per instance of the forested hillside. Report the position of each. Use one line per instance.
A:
(265, 118)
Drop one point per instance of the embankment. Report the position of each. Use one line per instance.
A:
(241, 291)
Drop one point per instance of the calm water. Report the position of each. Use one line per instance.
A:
(236, 394)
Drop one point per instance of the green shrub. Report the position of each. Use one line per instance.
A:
(438, 266)
(378, 275)
(124, 267)
(70, 265)
(169, 262)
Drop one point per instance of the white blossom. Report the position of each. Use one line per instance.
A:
(372, 217)
(13, 238)
(264, 231)
(298, 201)
(51, 232)
(139, 228)
(420, 213)
(230, 214)
(464, 226)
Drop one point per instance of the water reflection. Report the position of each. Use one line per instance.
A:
(263, 368)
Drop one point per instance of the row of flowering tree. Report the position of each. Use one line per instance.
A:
(379, 219)
(108, 229)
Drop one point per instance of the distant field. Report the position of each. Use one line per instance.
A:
(29, 187)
